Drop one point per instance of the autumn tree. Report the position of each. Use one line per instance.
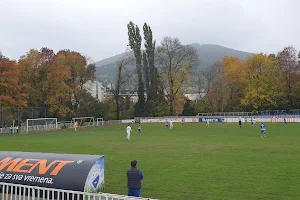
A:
(289, 67)
(262, 81)
(216, 92)
(59, 92)
(34, 67)
(80, 73)
(64, 86)
(135, 42)
(234, 74)
(11, 90)
(176, 62)
(209, 75)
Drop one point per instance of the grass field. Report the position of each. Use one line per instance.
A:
(193, 162)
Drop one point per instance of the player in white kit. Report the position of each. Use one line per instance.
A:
(128, 130)
(207, 123)
(171, 124)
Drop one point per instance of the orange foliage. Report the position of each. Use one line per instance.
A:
(11, 90)
(59, 92)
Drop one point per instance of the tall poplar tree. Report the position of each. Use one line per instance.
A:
(135, 42)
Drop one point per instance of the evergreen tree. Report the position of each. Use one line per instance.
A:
(135, 41)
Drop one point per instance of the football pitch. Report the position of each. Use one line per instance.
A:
(192, 162)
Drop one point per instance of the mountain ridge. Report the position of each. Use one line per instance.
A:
(208, 55)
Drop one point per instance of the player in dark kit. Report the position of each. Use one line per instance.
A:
(166, 124)
(139, 129)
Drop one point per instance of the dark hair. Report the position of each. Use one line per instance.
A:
(133, 163)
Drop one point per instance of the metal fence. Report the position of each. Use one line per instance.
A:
(9, 191)
(20, 115)
(267, 113)
(111, 122)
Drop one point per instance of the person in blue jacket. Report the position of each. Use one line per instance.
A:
(134, 180)
(263, 130)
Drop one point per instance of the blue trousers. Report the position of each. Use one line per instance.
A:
(263, 133)
(134, 193)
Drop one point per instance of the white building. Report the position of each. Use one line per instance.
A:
(194, 94)
(96, 89)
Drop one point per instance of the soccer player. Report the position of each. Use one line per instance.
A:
(262, 130)
(223, 120)
(128, 130)
(285, 121)
(75, 125)
(166, 124)
(139, 129)
(240, 122)
(254, 121)
(171, 124)
(182, 122)
(207, 122)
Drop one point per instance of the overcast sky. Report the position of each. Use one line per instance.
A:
(97, 28)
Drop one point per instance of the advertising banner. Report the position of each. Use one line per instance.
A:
(210, 119)
(175, 120)
(276, 119)
(127, 121)
(61, 171)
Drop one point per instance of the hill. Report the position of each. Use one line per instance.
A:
(208, 55)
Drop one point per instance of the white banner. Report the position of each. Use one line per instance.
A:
(127, 121)
(276, 119)
(247, 120)
(162, 120)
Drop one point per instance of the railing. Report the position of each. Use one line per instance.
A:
(10, 191)
(275, 113)
(111, 122)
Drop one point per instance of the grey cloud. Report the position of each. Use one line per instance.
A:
(98, 28)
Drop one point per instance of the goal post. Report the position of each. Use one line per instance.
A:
(41, 124)
(84, 121)
(99, 122)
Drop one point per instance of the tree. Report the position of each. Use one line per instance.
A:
(89, 106)
(135, 42)
(176, 62)
(34, 67)
(234, 73)
(80, 73)
(289, 67)
(123, 76)
(148, 61)
(262, 82)
(209, 75)
(90, 72)
(189, 109)
(11, 90)
(59, 92)
(179, 103)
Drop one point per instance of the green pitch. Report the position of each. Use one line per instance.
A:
(193, 162)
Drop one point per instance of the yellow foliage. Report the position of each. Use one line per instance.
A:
(179, 102)
(262, 80)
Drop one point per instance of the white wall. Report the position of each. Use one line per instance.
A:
(96, 89)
